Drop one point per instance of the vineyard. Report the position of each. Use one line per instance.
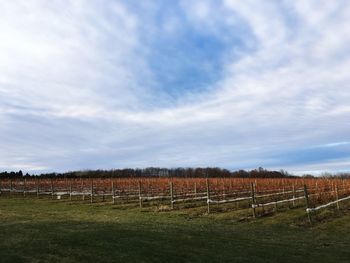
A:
(261, 196)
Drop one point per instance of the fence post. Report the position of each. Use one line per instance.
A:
(113, 193)
(307, 203)
(52, 191)
(37, 187)
(195, 189)
(70, 189)
(11, 186)
(224, 189)
(66, 184)
(253, 199)
(208, 196)
(293, 194)
(337, 196)
(24, 186)
(171, 195)
(82, 188)
(140, 196)
(92, 190)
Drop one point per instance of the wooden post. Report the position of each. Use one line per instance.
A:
(52, 191)
(208, 196)
(37, 187)
(171, 195)
(82, 188)
(24, 186)
(307, 203)
(70, 189)
(92, 191)
(113, 193)
(293, 194)
(337, 196)
(66, 184)
(140, 196)
(195, 189)
(255, 188)
(253, 199)
(223, 189)
(10, 186)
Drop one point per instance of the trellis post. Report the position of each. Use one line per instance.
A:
(82, 188)
(113, 193)
(294, 194)
(171, 195)
(337, 196)
(92, 190)
(208, 196)
(70, 189)
(37, 187)
(10, 186)
(52, 191)
(24, 186)
(307, 203)
(140, 196)
(253, 199)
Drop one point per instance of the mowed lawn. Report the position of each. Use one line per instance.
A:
(45, 230)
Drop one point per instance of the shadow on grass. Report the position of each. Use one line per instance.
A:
(112, 242)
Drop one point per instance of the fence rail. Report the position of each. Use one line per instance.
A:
(308, 210)
(256, 193)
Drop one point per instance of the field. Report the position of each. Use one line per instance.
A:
(139, 220)
(44, 230)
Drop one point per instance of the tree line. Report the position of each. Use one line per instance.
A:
(158, 172)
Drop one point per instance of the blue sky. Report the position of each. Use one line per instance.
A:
(233, 84)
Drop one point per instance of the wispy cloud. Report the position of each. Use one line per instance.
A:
(220, 83)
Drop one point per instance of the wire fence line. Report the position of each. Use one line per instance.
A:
(256, 193)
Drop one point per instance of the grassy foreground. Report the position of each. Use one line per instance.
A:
(58, 231)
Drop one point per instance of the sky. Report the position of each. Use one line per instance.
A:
(232, 84)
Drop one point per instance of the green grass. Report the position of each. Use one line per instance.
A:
(59, 231)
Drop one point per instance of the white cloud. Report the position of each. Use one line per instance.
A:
(76, 87)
